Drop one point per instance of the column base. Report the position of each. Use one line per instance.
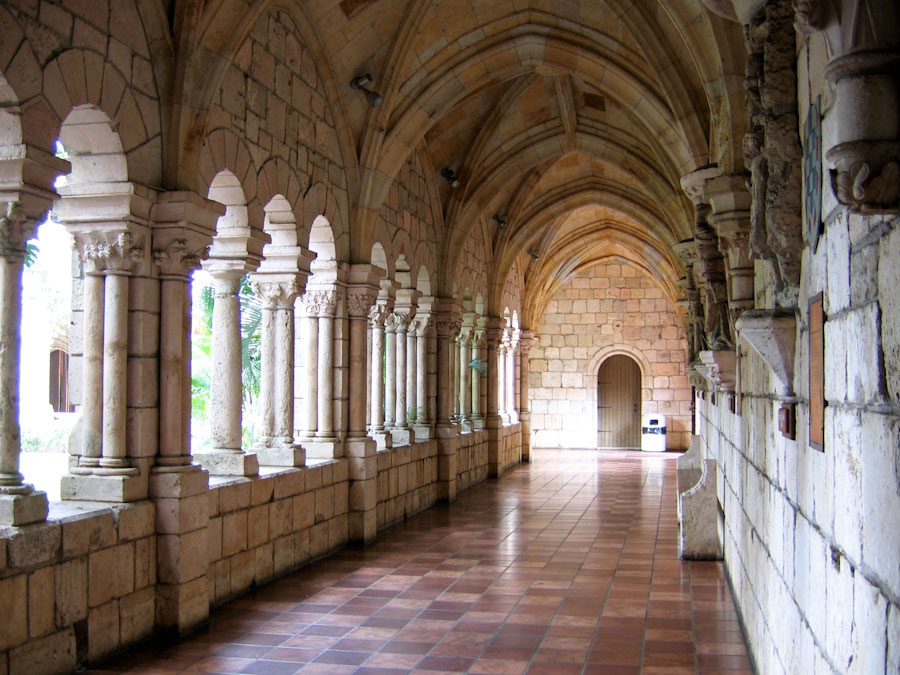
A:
(23, 508)
(477, 423)
(401, 436)
(103, 488)
(183, 607)
(447, 462)
(286, 455)
(423, 432)
(228, 463)
(323, 449)
(383, 440)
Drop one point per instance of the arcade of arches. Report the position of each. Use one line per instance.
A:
(453, 212)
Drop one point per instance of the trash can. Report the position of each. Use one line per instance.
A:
(653, 433)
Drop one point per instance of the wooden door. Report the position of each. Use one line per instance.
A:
(619, 403)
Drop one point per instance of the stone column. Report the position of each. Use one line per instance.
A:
(310, 342)
(476, 347)
(447, 323)
(362, 290)
(183, 226)
(501, 380)
(325, 423)
(391, 323)
(526, 340)
(424, 415)
(377, 316)
(511, 377)
(493, 337)
(465, 379)
(226, 391)
(111, 250)
(276, 446)
(20, 503)
(412, 397)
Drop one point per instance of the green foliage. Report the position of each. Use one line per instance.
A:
(201, 355)
(478, 365)
(31, 253)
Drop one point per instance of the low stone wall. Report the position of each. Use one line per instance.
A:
(261, 528)
(510, 446)
(76, 588)
(407, 481)
(471, 459)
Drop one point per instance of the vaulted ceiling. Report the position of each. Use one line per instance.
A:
(573, 121)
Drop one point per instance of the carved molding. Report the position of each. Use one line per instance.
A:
(15, 230)
(276, 294)
(178, 259)
(109, 252)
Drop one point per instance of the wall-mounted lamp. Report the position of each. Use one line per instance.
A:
(359, 83)
(535, 254)
(451, 176)
(502, 221)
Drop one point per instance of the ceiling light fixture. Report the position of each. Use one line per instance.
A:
(502, 221)
(534, 253)
(451, 176)
(359, 83)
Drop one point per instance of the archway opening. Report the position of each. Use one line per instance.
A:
(619, 403)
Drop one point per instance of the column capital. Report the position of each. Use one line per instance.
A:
(360, 300)
(178, 258)
(275, 294)
(110, 252)
(493, 331)
(16, 228)
(394, 322)
(421, 324)
(526, 341)
(321, 302)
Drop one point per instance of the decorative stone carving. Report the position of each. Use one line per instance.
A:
(114, 252)
(15, 230)
(863, 38)
(276, 294)
(722, 365)
(772, 333)
(178, 259)
(359, 301)
(714, 294)
(318, 302)
(772, 146)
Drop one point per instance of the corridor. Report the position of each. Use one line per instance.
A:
(565, 565)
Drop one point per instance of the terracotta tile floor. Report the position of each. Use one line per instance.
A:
(566, 565)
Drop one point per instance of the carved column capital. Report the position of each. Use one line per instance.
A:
(321, 302)
(360, 300)
(177, 260)
(109, 252)
(377, 314)
(448, 327)
(15, 230)
(276, 294)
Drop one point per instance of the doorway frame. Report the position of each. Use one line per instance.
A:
(593, 371)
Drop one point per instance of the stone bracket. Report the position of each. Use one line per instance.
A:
(772, 333)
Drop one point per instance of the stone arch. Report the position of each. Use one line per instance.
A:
(93, 147)
(280, 222)
(318, 200)
(277, 179)
(224, 151)
(423, 281)
(378, 257)
(73, 80)
(321, 239)
(620, 348)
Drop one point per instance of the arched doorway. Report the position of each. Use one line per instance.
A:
(619, 403)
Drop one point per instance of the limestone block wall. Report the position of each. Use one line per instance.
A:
(407, 481)
(471, 459)
(613, 308)
(810, 536)
(88, 572)
(263, 527)
(510, 446)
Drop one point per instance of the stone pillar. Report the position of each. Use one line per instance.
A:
(526, 340)
(475, 354)
(226, 391)
(424, 416)
(412, 397)
(464, 378)
(447, 323)
(493, 337)
(20, 503)
(362, 290)
(404, 311)
(325, 424)
(377, 317)
(183, 225)
(310, 342)
(112, 250)
(501, 379)
(391, 322)
(510, 371)
(276, 446)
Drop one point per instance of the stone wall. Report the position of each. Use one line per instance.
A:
(810, 536)
(471, 459)
(407, 481)
(613, 308)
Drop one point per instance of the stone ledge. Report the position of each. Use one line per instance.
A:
(772, 333)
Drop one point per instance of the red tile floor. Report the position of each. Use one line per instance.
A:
(565, 565)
